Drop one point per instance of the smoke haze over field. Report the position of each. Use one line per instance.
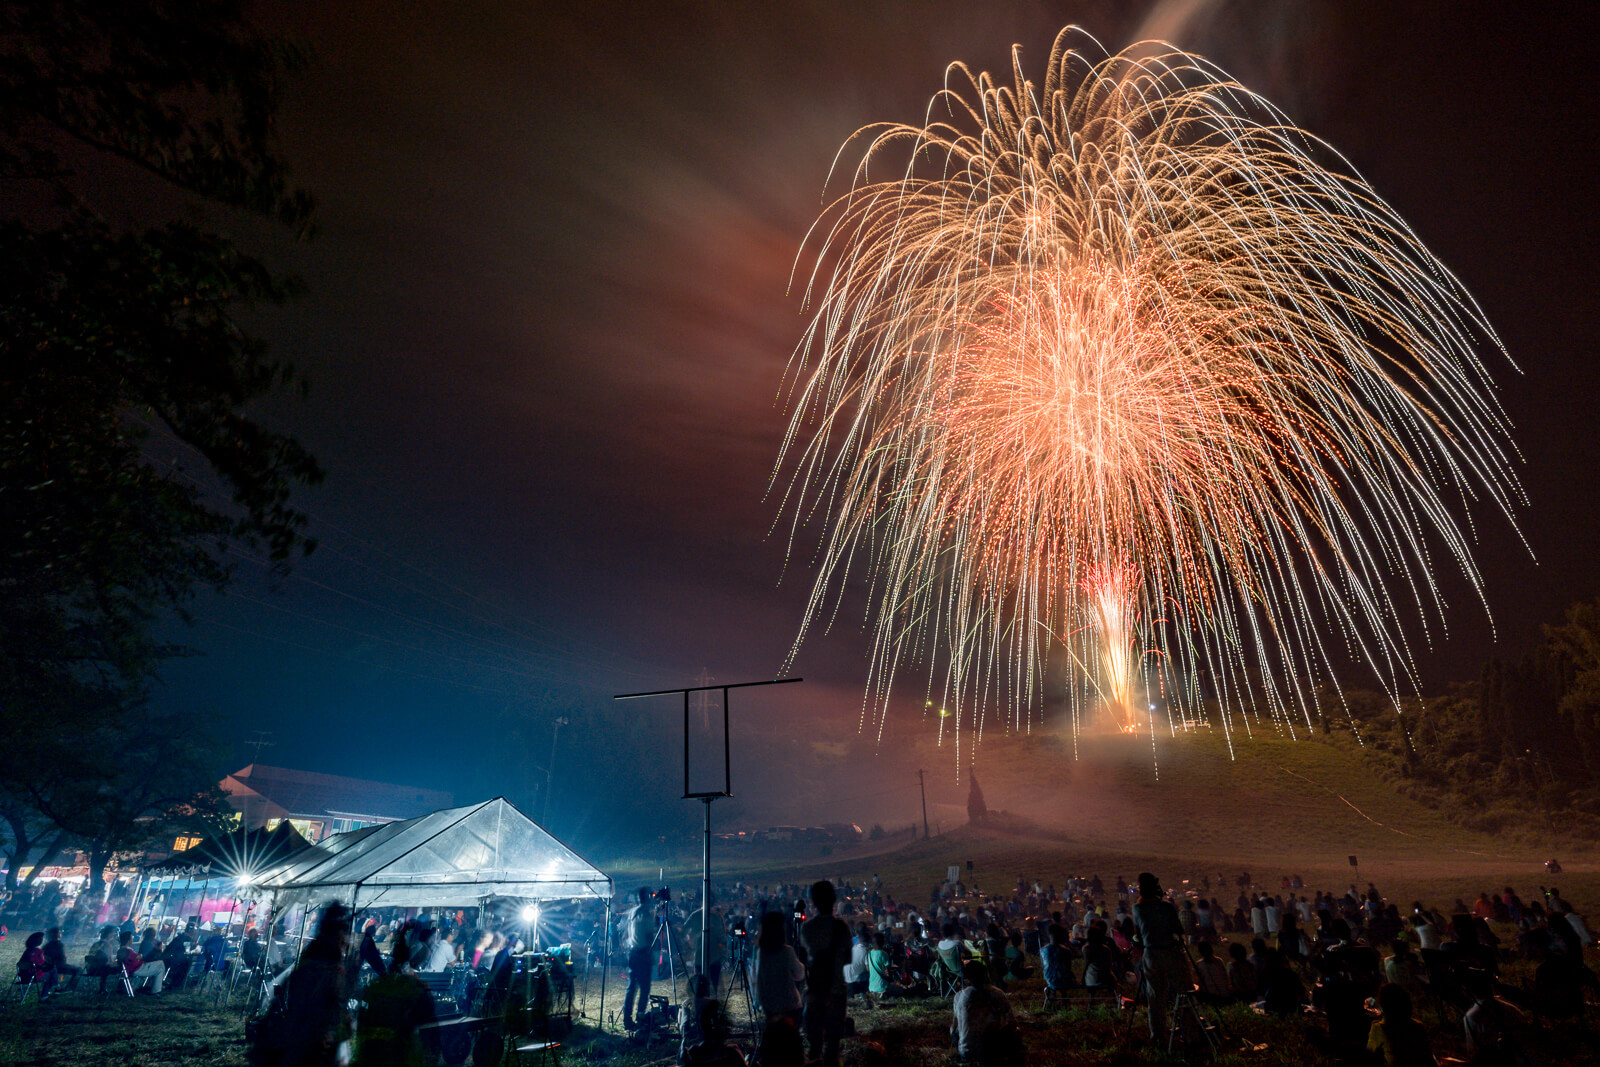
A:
(548, 319)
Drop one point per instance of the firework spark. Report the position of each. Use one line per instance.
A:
(1116, 366)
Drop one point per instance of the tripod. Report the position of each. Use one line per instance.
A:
(1190, 1028)
(588, 955)
(674, 956)
(741, 979)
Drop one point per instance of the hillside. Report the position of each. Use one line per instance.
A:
(1272, 807)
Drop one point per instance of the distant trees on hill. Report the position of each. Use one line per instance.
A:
(1519, 749)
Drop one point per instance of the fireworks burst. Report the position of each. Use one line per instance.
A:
(1114, 367)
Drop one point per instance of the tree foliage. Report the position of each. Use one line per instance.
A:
(114, 336)
(1517, 752)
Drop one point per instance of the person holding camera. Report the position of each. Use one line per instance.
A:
(638, 934)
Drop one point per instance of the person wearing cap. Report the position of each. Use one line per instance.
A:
(1164, 967)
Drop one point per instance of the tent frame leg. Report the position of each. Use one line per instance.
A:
(605, 966)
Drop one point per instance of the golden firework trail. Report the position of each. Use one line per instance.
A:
(1114, 367)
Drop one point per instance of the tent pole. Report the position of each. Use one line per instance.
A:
(188, 883)
(605, 966)
(138, 890)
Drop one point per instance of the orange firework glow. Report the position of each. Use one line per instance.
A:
(1114, 365)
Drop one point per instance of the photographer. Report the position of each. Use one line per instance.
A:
(1164, 969)
(638, 934)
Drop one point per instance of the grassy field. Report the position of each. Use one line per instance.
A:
(184, 1029)
(1271, 806)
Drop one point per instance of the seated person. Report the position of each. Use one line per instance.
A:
(1243, 980)
(176, 957)
(32, 965)
(712, 1048)
(250, 952)
(55, 954)
(150, 944)
(693, 1013)
(215, 947)
(981, 1029)
(1017, 965)
(1341, 996)
(880, 984)
(148, 972)
(952, 952)
(1398, 1038)
(1404, 969)
(101, 960)
(127, 958)
(1281, 993)
(1056, 960)
(1493, 1028)
(1099, 968)
(1211, 976)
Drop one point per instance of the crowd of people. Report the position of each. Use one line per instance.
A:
(1356, 967)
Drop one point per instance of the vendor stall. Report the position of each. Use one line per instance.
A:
(206, 881)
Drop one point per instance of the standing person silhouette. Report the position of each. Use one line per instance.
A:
(1164, 969)
(826, 940)
(638, 935)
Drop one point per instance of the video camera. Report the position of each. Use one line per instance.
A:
(664, 894)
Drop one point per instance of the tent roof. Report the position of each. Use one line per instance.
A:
(236, 852)
(450, 858)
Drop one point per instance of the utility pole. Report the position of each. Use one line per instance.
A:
(924, 790)
(260, 743)
(550, 769)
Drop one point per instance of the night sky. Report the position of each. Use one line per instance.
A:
(548, 320)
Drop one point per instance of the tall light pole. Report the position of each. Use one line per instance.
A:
(550, 769)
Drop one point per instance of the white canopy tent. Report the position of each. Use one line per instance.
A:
(456, 857)
(452, 858)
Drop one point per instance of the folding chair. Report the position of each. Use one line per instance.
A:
(32, 985)
(538, 1042)
(946, 973)
(543, 1049)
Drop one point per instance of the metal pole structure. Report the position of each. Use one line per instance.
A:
(924, 790)
(605, 966)
(705, 797)
(705, 891)
(138, 890)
